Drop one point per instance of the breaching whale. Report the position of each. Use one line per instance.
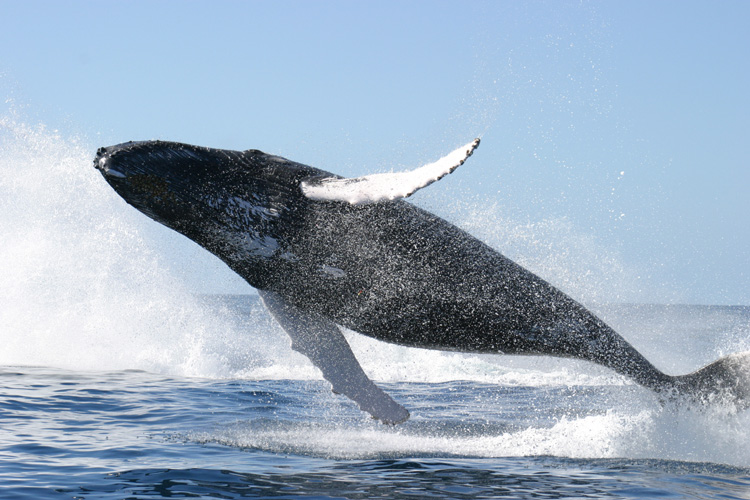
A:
(326, 252)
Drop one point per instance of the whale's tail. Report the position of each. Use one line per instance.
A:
(725, 381)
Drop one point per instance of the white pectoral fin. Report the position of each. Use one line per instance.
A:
(323, 343)
(387, 186)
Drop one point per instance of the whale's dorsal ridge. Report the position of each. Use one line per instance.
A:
(375, 188)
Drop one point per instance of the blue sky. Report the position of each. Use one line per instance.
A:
(623, 123)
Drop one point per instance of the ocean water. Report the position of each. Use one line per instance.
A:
(119, 381)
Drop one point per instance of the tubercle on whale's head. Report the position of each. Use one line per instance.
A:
(215, 197)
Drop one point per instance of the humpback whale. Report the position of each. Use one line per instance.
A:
(326, 252)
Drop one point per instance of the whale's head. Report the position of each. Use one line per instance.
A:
(151, 178)
(227, 201)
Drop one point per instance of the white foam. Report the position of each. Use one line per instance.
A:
(644, 432)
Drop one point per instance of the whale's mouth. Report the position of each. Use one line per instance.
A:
(103, 163)
(107, 170)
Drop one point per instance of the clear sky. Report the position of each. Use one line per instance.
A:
(614, 131)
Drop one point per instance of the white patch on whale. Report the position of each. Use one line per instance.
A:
(333, 271)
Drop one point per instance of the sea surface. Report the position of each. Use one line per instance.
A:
(481, 426)
(118, 380)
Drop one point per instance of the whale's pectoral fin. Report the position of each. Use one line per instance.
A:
(323, 343)
(387, 186)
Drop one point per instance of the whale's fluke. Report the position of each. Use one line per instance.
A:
(323, 343)
(725, 381)
(386, 186)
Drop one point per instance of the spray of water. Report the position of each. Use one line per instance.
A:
(81, 285)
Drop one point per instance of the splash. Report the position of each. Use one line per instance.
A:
(82, 285)
(639, 432)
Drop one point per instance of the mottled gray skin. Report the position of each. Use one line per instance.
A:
(388, 270)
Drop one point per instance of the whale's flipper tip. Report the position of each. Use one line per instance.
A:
(725, 381)
(376, 188)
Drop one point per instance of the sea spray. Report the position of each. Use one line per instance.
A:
(82, 285)
(637, 433)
